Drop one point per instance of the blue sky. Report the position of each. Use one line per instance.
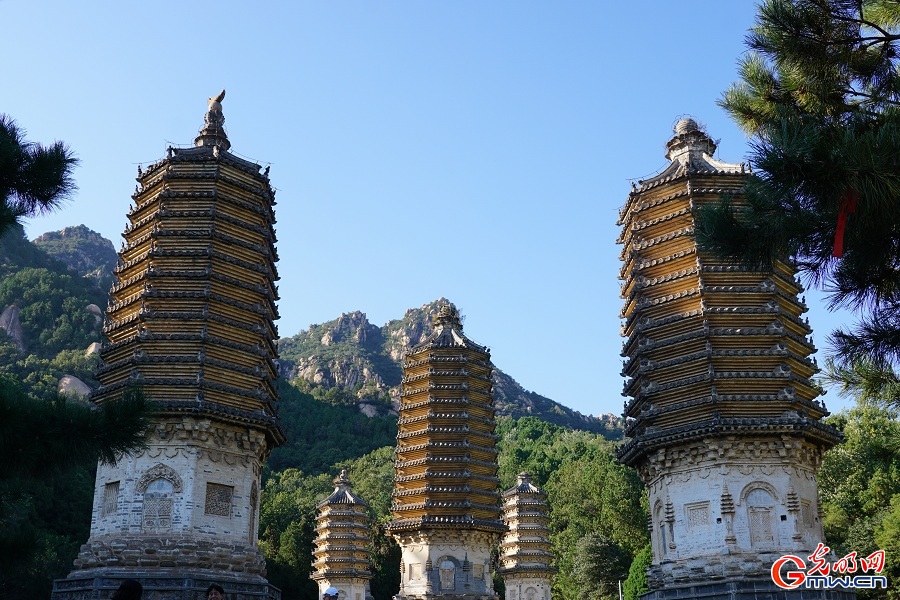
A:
(473, 150)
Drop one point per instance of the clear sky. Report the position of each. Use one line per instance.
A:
(476, 150)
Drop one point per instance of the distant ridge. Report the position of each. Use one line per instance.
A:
(350, 361)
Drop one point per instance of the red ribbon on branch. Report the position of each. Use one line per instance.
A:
(848, 205)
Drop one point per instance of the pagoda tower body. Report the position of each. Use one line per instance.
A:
(525, 549)
(446, 513)
(191, 322)
(724, 424)
(343, 544)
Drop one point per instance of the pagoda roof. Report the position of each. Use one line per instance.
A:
(524, 486)
(690, 152)
(447, 333)
(342, 493)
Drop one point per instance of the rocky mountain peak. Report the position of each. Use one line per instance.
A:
(351, 359)
(83, 251)
(353, 326)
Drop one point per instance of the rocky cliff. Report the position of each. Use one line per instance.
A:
(83, 251)
(349, 360)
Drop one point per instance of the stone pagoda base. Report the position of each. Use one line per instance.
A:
(743, 589)
(161, 585)
(528, 588)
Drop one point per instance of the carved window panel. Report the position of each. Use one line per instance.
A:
(447, 573)
(697, 514)
(478, 571)
(218, 499)
(110, 499)
(157, 512)
(806, 513)
(415, 571)
(760, 512)
(531, 594)
(660, 528)
(761, 527)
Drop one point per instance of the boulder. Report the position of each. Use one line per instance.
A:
(370, 410)
(94, 348)
(9, 322)
(71, 385)
(95, 310)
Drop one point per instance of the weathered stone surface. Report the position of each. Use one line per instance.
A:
(9, 322)
(93, 348)
(95, 310)
(71, 385)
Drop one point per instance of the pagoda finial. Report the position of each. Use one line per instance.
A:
(448, 316)
(524, 477)
(343, 480)
(213, 131)
(690, 138)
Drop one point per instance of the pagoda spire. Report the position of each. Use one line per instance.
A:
(213, 131)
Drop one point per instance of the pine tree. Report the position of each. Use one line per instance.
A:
(33, 178)
(820, 97)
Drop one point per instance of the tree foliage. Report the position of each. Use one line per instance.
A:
(887, 538)
(636, 584)
(820, 96)
(49, 449)
(33, 178)
(598, 565)
(859, 484)
(323, 434)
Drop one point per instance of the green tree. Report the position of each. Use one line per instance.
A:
(859, 478)
(33, 178)
(48, 451)
(887, 538)
(593, 495)
(599, 564)
(636, 584)
(820, 96)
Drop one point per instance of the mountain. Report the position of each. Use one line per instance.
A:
(83, 251)
(50, 319)
(351, 361)
(345, 362)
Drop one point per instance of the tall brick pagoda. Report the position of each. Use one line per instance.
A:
(446, 513)
(525, 551)
(343, 543)
(725, 426)
(191, 321)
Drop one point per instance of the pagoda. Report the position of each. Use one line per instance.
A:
(446, 509)
(724, 425)
(191, 322)
(525, 548)
(341, 555)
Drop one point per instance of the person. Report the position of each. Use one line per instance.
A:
(330, 594)
(215, 592)
(129, 590)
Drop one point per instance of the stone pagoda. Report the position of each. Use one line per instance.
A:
(342, 543)
(191, 323)
(724, 424)
(446, 513)
(525, 549)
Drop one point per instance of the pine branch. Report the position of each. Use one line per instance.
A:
(38, 438)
